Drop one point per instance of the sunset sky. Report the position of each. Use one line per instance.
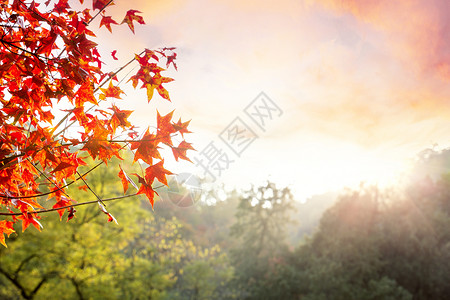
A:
(363, 85)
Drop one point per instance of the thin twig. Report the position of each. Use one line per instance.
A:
(93, 192)
(93, 106)
(69, 206)
(119, 141)
(48, 193)
(100, 11)
(48, 179)
(73, 205)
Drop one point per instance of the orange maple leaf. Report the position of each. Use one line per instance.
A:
(64, 201)
(182, 127)
(119, 118)
(146, 188)
(6, 227)
(180, 151)
(97, 143)
(29, 218)
(124, 179)
(147, 148)
(150, 90)
(26, 204)
(63, 165)
(165, 128)
(83, 187)
(35, 83)
(111, 91)
(85, 94)
(153, 83)
(157, 171)
(159, 80)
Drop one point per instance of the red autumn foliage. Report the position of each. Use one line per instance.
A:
(48, 57)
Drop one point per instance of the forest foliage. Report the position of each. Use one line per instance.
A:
(370, 244)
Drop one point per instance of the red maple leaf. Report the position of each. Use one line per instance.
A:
(99, 4)
(113, 54)
(171, 60)
(61, 6)
(112, 219)
(131, 16)
(107, 21)
(64, 201)
(71, 214)
(47, 44)
(85, 45)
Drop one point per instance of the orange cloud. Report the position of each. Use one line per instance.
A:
(418, 31)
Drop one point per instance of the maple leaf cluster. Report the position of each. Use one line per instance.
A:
(47, 57)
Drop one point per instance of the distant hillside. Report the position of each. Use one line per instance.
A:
(308, 214)
(431, 163)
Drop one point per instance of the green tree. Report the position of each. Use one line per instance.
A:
(145, 257)
(260, 230)
(374, 245)
(77, 261)
(343, 259)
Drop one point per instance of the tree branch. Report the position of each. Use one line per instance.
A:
(69, 206)
(48, 193)
(96, 90)
(16, 283)
(22, 263)
(103, 8)
(38, 286)
(75, 204)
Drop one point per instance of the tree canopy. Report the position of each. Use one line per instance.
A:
(48, 60)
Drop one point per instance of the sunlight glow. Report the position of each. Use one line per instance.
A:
(339, 169)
